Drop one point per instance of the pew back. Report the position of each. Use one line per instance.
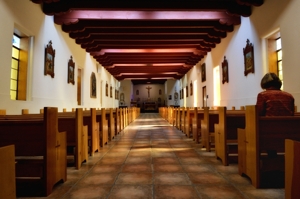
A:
(261, 143)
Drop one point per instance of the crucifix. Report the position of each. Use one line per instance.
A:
(148, 90)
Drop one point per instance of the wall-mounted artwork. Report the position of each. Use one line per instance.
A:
(137, 92)
(159, 91)
(49, 60)
(175, 96)
(187, 91)
(106, 89)
(122, 97)
(111, 94)
(191, 88)
(93, 86)
(225, 77)
(203, 72)
(248, 58)
(71, 71)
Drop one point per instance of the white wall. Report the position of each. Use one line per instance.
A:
(242, 90)
(44, 90)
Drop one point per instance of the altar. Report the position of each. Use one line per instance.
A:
(150, 106)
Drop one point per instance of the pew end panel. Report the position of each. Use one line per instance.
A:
(292, 169)
(226, 135)
(7, 172)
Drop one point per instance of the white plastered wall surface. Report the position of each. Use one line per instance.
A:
(45, 90)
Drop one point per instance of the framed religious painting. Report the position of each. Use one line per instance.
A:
(180, 94)
(203, 72)
(93, 86)
(187, 91)
(191, 88)
(225, 71)
(106, 89)
(49, 60)
(111, 94)
(71, 68)
(248, 58)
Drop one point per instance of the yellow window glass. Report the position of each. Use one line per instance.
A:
(14, 74)
(13, 84)
(279, 55)
(15, 53)
(13, 95)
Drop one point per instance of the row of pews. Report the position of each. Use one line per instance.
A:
(35, 149)
(265, 148)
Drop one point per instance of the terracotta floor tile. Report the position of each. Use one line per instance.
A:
(134, 178)
(112, 161)
(100, 168)
(131, 192)
(168, 168)
(175, 192)
(253, 193)
(98, 179)
(166, 154)
(197, 168)
(171, 179)
(138, 160)
(207, 178)
(89, 192)
(191, 160)
(219, 191)
(139, 154)
(164, 160)
(136, 168)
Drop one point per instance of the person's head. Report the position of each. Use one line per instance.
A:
(270, 80)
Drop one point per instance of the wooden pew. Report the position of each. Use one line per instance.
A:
(210, 118)
(182, 119)
(40, 152)
(89, 119)
(7, 172)
(226, 133)
(111, 123)
(103, 126)
(70, 122)
(77, 135)
(196, 116)
(189, 123)
(2, 112)
(292, 169)
(117, 120)
(261, 147)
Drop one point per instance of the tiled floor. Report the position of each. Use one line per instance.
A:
(151, 159)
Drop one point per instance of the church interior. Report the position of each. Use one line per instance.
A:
(142, 57)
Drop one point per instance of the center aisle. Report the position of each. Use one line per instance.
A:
(152, 159)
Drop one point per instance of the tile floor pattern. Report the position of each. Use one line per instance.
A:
(151, 159)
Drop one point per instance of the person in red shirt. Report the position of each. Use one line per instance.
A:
(273, 101)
